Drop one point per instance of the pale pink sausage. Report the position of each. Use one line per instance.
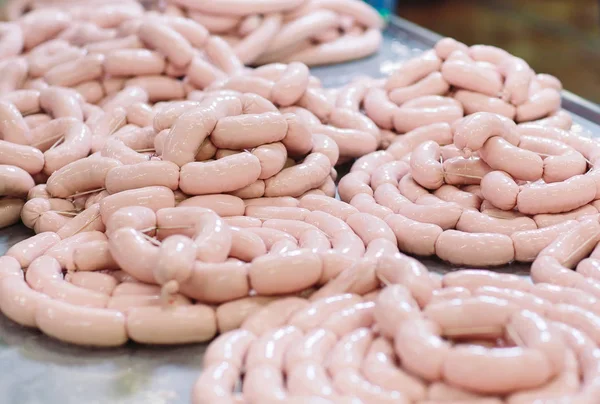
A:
(394, 305)
(45, 275)
(276, 212)
(133, 62)
(298, 139)
(150, 173)
(389, 173)
(420, 348)
(351, 142)
(351, 382)
(28, 250)
(400, 269)
(461, 171)
(336, 208)
(414, 237)
(433, 84)
(246, 245)
(472, 221)
(444, 47)
(572, 246)
(309, 317)
(153, 197)
(472, 77)
(136, 217)
(389, 196)
(223, 205)
(247, 131)
(325, 145)
(370, 162)
(500, 189)
(521, 164)
(72, 73)
(230, 347)
(313, 171)
(415, 193)
(271, 236)
(474, 131)
(227, 174)
(501, 375)
(286, 273)
(461, 316)
(272, 159)
(349, 351)
(216, 383)
(347, 320)
(379, 108)
(539, 105)
(179, 325)
(264, 383)
(217, 282)
(94, 281)
(93, 256)
(486, 249)
(369, 227)
(25, 157)
(167, 41)
(158, 88)
(473, 279)
(450, 193)
(80, 176)
(85, 221)
(537, 334)
(352, 184)
(15, 181)
(556, 197)
(414, 70)
(525, 300)
(127, 241)
(109, 325)
(269, 348)
(212, 237)
(379, 368)
(426, 167)
(365, 203)
(529, 243)
(475, 102)
(314, 347)
(273, 315)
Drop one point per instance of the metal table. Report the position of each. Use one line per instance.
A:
(37, 369)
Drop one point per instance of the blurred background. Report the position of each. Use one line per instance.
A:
(560, 37)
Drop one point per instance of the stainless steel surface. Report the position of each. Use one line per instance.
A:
(37, 369)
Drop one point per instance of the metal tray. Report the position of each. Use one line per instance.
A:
(37, 369)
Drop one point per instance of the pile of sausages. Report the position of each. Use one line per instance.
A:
(470, 336)
(177, 194)
(461, 79)
(485, 185)
(314, 32)
(123, 46)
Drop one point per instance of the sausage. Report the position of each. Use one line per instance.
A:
(226, 174)
(286, 273)
(487, 249)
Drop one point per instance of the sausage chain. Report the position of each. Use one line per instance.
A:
(99, 58)
(314, 32)
(442, 83)
(484, 337)
(292, 90)
(484, 185)
(144, 253)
